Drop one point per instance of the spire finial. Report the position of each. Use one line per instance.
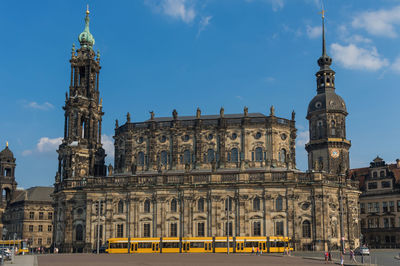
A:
(86, 38)
(87, 9)
(7, 144)
(323, 31)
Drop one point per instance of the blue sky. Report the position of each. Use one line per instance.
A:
(184, 54)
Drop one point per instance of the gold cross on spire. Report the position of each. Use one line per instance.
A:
(6, 143)
(322, 13)
(87, 9)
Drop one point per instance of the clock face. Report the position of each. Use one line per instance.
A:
(335, 153)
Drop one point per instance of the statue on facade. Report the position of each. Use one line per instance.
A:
(116, 123)
(246, 111)
(151, 115)
(128, 117)
(198, 113)
(272, 111)
(293, 115)
(175, 114)
(66, 96)
(221, 112)
(110, 169)
(133, 168)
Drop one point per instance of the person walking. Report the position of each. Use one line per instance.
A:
(326, 257)
(252, 250)
(258, 251)
(352, 256)
(341, 259)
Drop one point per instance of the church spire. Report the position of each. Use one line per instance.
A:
(86, 39)
(324, 61)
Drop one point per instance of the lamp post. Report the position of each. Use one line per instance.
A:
(128, 227)
(341, 213)
(227, 223)
(98, 226)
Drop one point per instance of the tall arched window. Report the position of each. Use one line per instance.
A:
(228, 204)
(200, 205)
(173, 205)
(282, 156)
(256, 204)
(147, 206)
(210, 155)
(306, 228)
(333, 127)
(278, 203)
(79, 233)
(382, 174)
(234, 155)
(259, 154)
(164, 158)
(141, 158)
(120, 206)
(186, 157)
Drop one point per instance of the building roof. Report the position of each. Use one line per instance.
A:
(6, 153)
(206, 117)
(33, 194)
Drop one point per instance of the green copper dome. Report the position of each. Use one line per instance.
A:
(86, 39)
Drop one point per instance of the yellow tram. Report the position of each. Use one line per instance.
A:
(272, 244)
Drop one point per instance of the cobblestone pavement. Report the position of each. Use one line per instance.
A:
(169, 259)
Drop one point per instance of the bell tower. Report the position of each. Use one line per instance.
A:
(81, 153)
(328, 148)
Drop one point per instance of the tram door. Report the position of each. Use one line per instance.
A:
(186, 247)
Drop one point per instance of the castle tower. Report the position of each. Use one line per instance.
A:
(81, 153)
(7, 175)
(328, 148)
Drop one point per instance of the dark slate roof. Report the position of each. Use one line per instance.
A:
(34, 194)
(6, 154)
(329, 101)
(206, 117)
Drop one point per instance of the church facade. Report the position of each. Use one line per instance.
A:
(189, 176)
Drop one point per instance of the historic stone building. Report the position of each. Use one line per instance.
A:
(25, 214)
(29, 215)
(379, 203)
(185, 176)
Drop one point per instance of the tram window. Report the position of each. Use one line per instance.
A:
(273, 244)
(132, 246)
(238, 246)
(157, 247)
(144, 245)
(171, 245)
(135, 247)
(197, 244)
(187, 246)
(206, 247)
(263, 245)
(153, 247)
(119, 245)
(280, 244)
(251, 244)
(242, 246)
(209, 246)
(220, 244)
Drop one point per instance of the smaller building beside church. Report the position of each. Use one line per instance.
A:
(379, 203)
(25, 214)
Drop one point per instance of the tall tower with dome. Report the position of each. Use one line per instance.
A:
(328, 148)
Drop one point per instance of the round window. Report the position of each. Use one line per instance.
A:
(318, 104)
(163, 138)
(234, 136)
(210, 136)
(140, 140)
(258, 135)
(185, 138)
(283, 136)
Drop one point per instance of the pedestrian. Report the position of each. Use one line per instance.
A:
(329, 256)
(352, 256)
(252, 250)
(258, 251)
(326, 257)
(341, 259)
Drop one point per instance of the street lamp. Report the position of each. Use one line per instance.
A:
(227, 207)
(341, 212)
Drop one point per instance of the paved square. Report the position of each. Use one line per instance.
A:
(169, 259)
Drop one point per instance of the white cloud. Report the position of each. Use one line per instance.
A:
(45, 106)
(302, 138)
(345, 36)
(44, 146)
(108, 146)
(204, 22)
(277, 4)
(178, 9)
(380, 23)
(313, 32)
(353, 57)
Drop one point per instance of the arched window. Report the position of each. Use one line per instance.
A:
(375, 174)
(234, 155)
(282, 156)
(141, 158)
(333, 127)
(147, 206)
(228, 204)
(210, 155)
(79, 233)
(259, 154)
(200, 205)
(256, 204)
(278, 203)
(306, 229)
(83, 128)
(120, 206)
(382, 174)
(164, 157)
(186, 157)
(173, 205)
